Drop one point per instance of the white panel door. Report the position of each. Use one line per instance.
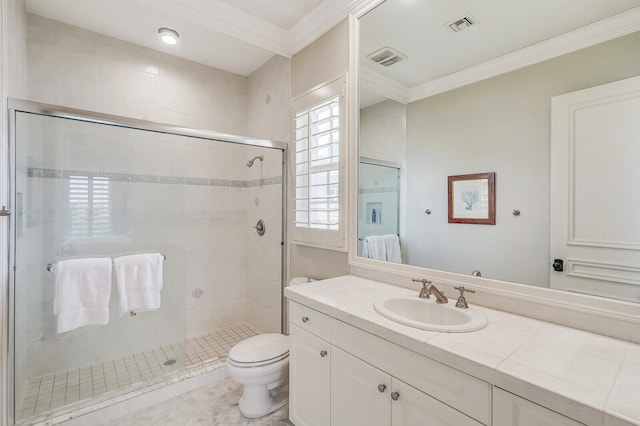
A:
(360, 393)
(511, 410)
(410, 407)
(595, 195)
(309, 379)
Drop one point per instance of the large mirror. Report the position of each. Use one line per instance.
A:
(458, 88)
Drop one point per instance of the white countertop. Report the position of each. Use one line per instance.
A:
(585, 376)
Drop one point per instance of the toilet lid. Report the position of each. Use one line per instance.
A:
(262, 347)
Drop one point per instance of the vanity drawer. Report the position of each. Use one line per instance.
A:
(309, 320)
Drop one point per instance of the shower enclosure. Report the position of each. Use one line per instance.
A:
(85, 185)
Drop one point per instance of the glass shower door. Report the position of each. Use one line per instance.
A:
(84, 191)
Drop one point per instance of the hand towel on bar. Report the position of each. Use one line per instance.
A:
(392, 244)
(139, 280)
(373, 247)
(83, 291)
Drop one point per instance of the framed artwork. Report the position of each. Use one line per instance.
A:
(472, 198)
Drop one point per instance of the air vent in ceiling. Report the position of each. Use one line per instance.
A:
(462, 23)
(386, 56)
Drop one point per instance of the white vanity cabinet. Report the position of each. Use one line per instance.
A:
(349, 377)
(309, 367)
(511, 410)
(361, 394)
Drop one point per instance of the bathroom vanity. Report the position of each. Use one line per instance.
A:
(349, 366)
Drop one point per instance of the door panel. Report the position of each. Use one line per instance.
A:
(595, 145)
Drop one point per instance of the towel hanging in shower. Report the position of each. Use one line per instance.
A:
(83, 291)
(139, 280)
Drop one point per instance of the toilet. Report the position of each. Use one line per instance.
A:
(261, 364)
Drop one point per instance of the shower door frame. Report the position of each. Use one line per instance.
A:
(16, 106)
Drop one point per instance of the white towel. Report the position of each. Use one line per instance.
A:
(373, 247)
(139, 279)
(83, 290)
(392, 244)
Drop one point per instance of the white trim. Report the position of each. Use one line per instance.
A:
(603, 271)
(223, 18)
(324, 238)
(378, 83)
(228, 20)
(325, 16)
(607, 29)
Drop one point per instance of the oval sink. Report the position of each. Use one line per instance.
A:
(426, 314)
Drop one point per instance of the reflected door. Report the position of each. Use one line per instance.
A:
(595, 231)
(378, 200)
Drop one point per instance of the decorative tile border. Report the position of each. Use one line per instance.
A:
(378, 190)
(172, 180)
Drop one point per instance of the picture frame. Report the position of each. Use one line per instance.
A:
(472, 198)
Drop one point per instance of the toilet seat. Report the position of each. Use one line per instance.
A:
(260, 350)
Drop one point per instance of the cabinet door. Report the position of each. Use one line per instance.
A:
(410, 407)
(511, 410)
(359, 392)
(309, 379)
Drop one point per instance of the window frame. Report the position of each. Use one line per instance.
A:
(316, 237)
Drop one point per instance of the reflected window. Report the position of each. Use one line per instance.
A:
(89, 206)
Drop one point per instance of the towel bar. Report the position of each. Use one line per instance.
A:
(51, 267)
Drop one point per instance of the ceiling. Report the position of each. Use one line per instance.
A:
(419, 29)
(233, 35)
(240, 35)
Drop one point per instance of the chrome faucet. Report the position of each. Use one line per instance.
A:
(428, 289)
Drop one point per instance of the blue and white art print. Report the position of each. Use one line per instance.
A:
(472, 198)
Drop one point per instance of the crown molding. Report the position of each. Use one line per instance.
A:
(378, 83)
(607, 29)
(325, 16)
(228, 20)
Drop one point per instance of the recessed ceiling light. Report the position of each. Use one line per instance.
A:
(168, 36)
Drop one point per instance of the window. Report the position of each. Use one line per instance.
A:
(318, 163)
(89, 206)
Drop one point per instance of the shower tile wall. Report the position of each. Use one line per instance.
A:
(198, 208)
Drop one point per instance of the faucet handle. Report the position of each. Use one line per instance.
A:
(462, 302)
(424, 293)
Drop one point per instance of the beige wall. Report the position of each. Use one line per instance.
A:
(324, 60)
(499, 125)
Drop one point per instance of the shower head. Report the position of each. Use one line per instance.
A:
(250, 162)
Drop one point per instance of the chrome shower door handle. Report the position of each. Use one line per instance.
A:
(4, 211)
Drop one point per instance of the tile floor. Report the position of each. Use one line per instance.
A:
(216, 404)
(47, 393)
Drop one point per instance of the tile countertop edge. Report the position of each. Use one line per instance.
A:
(574, 408)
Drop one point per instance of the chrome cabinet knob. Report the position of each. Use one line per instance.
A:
(323, 353)
(305, 319)
(395, 396)
(382, 387)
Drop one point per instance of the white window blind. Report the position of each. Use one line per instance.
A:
(317, 166)
(89, 206)
(319, 182)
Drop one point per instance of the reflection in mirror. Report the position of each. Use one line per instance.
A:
(379, 208)
(423, 107)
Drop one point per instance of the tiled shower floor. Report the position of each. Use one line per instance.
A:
(52, 391)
